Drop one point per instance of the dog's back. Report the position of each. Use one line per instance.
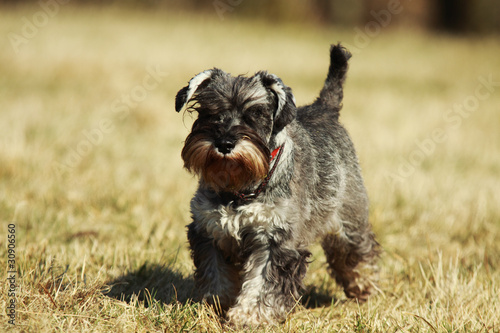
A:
(326, 147)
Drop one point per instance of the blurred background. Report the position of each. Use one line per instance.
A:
(454, 16)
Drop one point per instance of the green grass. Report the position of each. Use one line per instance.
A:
(100, 217)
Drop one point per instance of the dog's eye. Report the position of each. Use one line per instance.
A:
(219, 119)
(255, 112)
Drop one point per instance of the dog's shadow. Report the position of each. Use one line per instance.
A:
(159, 283)
(152, 283)
(314, 297)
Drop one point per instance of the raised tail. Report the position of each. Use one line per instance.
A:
(331, 95)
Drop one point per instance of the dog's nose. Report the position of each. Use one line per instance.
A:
(225, 146)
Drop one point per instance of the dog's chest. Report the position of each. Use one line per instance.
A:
(223, 222)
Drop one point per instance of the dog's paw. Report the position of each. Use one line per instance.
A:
(219, 304)
(361, 292)
(361, 287)
(240, 317)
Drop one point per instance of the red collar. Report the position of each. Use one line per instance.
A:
(275, 152)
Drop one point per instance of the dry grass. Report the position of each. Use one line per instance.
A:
(100, 237)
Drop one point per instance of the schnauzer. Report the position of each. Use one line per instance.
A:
(273, 178)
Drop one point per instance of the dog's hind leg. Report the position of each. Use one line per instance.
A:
(351, 254)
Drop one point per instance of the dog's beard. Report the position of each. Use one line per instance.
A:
(243, 168)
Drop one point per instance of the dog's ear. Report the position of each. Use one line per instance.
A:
(186, 93)
(285, 101)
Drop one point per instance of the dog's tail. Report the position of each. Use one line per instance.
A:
(331, 95)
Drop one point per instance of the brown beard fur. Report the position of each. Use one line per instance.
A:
(246, 166)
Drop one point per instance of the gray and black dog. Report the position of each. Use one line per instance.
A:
(274, 178)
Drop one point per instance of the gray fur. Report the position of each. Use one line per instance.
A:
(251, 256)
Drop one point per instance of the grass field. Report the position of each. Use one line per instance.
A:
(91, 177)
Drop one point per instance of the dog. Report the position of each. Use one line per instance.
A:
(273, 179)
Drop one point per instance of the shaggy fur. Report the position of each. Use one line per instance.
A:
(249, 241)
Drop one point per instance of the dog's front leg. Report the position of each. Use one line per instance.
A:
(272, 279)
(216, 278)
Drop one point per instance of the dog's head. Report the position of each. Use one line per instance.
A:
(229, 144)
